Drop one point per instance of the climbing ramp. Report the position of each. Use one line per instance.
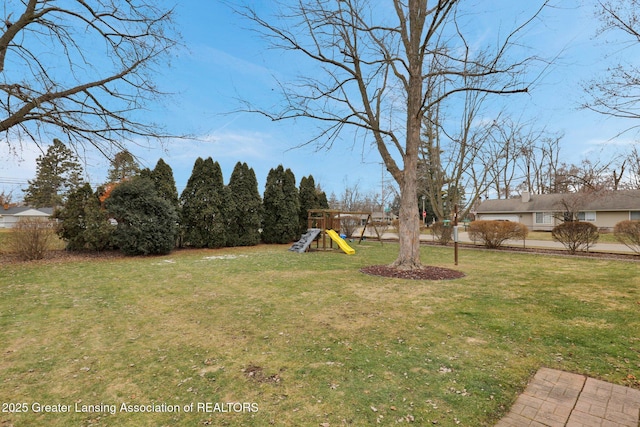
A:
(305, 241)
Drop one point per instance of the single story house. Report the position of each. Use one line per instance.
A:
(544, 211)
(10, 215)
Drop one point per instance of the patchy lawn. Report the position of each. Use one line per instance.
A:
(260, 336)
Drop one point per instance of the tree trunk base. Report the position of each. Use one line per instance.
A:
(406, 265)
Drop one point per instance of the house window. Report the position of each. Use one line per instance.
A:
(544, 218)
(587, 216)
(634, 215)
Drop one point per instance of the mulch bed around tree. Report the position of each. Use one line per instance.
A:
(424, 273)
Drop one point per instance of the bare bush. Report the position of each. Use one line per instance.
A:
(575, 235)
(442, 233)
(380, 227)
(31, 238)
(628, 233)
(494, 233)
(349, 224)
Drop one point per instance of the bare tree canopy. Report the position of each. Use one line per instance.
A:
(81, 69)
(377, 67)
(617, 93)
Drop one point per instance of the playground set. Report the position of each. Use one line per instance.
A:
(323, 223)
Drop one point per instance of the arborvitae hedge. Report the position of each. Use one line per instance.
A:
(281, 221)
(162, 176)
(204, 202)
(245, 207)
(209, 213)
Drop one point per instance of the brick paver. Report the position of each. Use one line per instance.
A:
(562, 399)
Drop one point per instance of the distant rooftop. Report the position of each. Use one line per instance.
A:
(622, 200)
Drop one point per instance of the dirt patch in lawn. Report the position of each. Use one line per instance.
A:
(256, 373)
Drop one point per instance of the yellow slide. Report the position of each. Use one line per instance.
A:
(340, 241)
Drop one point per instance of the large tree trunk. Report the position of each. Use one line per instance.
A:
(409, 226)
(408, 221)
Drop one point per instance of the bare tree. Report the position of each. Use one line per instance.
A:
(375, 69)
(617, 93)
(634, 169)
(5, 198)
(506, 150)
(81, 69)
(353, 199)
(588, 177)
(524, 158)
(539, 164)
(452, 163)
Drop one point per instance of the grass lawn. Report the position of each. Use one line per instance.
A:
(608, 237)
(304, 339)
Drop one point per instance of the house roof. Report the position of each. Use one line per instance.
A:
(26, 211)
(622, 200)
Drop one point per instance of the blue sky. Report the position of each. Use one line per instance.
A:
(224, 62)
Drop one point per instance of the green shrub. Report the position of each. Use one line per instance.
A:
(147, 223)
(628, 233)
(493, 234)
(84, 225)
(576, 235)
(31, 238)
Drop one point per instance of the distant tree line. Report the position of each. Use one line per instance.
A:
(140, 212)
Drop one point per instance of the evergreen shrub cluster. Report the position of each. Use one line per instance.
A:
(143, 214)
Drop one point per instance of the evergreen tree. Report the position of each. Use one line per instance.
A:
(84, 225)
(58, 172)
(311, 197)
(189, 218)
(123, 167)
(245, 207)
(162, 177)
(308, 200)
(323, 202)
(281, 222)
(204, 204)
(147, 223)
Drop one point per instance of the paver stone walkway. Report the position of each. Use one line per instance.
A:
(562, 399)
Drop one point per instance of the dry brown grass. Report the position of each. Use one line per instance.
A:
(307, 337)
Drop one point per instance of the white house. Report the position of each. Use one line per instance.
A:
(9, 216)
(545, 211)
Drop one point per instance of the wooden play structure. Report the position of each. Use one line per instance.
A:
(324, 226)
